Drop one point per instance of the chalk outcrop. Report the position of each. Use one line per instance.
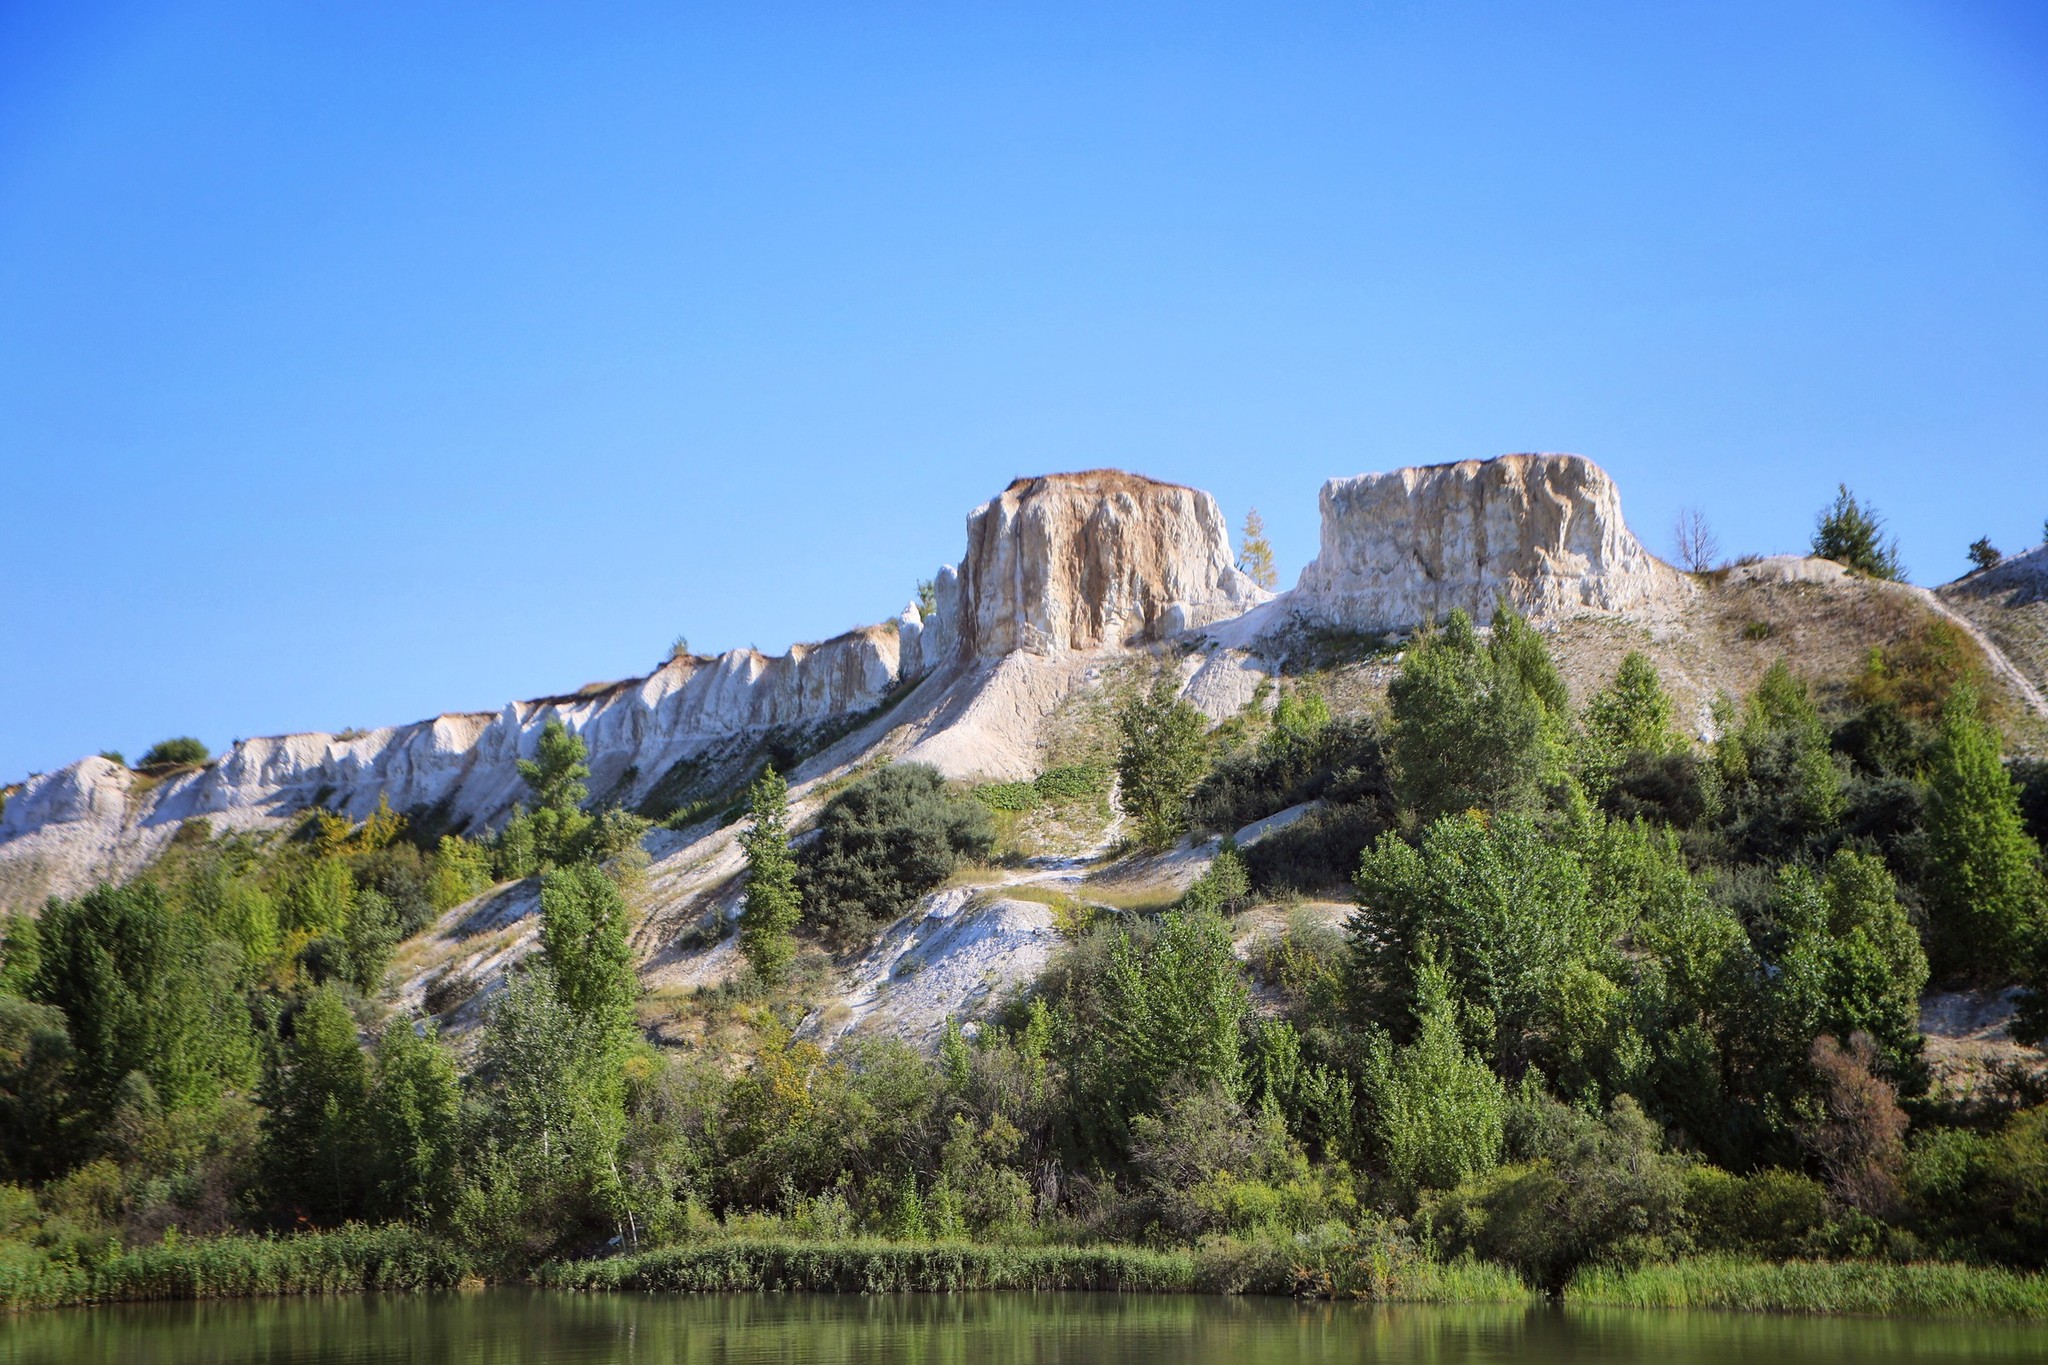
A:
(1055, 567)
(62, 830)
(1098, 560)
(1543, 531)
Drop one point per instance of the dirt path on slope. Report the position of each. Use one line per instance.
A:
(2002, 666)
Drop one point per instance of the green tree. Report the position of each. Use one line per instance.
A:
(1876, 966)
(1852, 535)
(1171, 1018)
(45, 1128)
(1983, 883)
(319, 899)
(1983, 554)
(1784, 788)
(370, 937)
(461, 870)
(556, 776)
(143, 989)
(313, 1156)
(583, 938)
(1438, 1113)
(773, 905)
(1477, 728)
(413, 1120)
(1161, 754)
(554, 1096)
(1508, 908)
(21, 953)
(1846, 961)
(1629, 718)
(1255, 552)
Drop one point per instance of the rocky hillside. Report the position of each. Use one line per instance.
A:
(1069, 585)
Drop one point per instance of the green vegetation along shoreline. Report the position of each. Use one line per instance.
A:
(398, 1259)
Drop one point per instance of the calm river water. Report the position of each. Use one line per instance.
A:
(509, 1327)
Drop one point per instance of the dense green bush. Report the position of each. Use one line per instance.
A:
(1339, 761)
(1593, 1191)
(1317, 852)
(1984, 1193)
(881, 844)
(1985, 890)
(1772, 1213)
(174, 753)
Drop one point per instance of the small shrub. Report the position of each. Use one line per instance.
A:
(1007, 796)
(174, 753)
(1072, 782)
(1225, 887)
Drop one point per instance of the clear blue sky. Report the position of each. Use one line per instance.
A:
(363, 361)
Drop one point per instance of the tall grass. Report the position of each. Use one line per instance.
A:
(870, 1266)
(347, 1260)
(1916, 1289)
(1460, 1281)
(863, 1266)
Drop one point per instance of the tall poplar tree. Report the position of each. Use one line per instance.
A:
(1983, 885)
(583, 934)
(768, 919)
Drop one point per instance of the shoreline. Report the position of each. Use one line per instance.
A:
(396, 1259)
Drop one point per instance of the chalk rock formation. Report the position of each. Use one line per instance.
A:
(1543, 531)
(1091, 561)
(63, 830)
(1055, 567)
(2016, 581)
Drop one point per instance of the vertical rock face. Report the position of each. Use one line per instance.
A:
(1543, 531)
(1090, 561)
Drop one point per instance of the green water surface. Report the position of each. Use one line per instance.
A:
(512, 1327)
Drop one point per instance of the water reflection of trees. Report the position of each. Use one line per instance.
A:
(511, 1327)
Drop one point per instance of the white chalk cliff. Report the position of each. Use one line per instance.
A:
(1061, 574)
(1545, 532)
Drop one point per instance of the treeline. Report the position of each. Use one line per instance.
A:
(1609, 998)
